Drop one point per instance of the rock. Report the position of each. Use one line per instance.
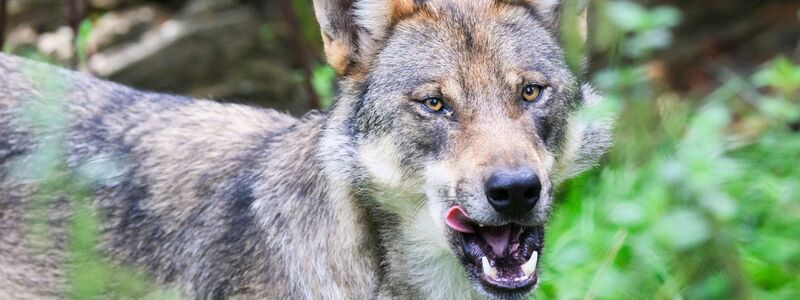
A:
(17, 7)
(57, 44)
(21, 37)
(105, 4)
(197, 7)
(203, 52)
(180, 49)
(124, 26)
(215, 49)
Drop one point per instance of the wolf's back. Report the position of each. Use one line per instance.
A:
(153, 161)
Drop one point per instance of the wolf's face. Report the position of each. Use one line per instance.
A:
(467, 104)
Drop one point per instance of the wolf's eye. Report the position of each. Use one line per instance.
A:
(433, 103)
(532, 92)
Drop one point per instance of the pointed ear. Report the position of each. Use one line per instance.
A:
(338, 31)
(351, 29)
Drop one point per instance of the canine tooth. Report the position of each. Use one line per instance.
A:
(480, 225)
(530, 265)
(488, 269)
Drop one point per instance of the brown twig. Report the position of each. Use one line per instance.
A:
(2, 23)
(299, 49)
(75, 13)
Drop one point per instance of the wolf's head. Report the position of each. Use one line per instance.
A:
(455, 123)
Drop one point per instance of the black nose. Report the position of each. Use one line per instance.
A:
(513, 192)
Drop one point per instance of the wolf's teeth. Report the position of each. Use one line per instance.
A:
(490, 271)
(530, 265)
(480, 225)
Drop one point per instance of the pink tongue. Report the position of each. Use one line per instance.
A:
(497, 237)
(456, 218)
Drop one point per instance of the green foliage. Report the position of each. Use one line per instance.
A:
(687, 205)
(267, 32)
(781, 78)
(782, 74)
(324, 82)
(82, 40)
(625, 29)
(702, 219)
(308, 22)
(648, 29)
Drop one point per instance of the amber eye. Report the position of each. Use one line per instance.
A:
(434, 104)
(532, 92)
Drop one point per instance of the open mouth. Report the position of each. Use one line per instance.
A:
(503, 258)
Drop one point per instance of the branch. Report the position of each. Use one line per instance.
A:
(3, 13)
(75, 11)
(300, 48)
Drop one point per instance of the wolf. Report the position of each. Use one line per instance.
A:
(431, 177)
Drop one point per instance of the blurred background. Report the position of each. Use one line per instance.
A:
(698, 199)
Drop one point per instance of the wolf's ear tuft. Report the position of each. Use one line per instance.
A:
(351, 29)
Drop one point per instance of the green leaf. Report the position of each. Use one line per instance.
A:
(682, 229)
(627, 15)
(82, 40)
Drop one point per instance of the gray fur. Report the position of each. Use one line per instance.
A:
(230, 201)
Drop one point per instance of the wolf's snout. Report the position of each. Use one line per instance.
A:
(513, 192)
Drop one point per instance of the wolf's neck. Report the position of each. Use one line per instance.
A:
(418, 261)
(315, 234)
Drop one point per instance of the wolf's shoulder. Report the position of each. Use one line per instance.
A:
(101, 118)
